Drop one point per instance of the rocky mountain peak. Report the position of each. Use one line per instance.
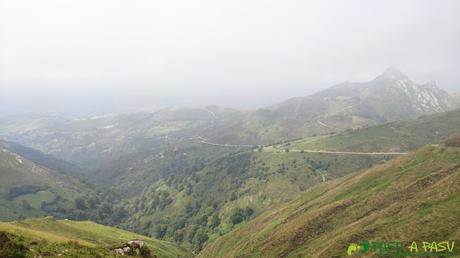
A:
(392, 74)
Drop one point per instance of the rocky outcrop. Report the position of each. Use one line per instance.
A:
(133, 247)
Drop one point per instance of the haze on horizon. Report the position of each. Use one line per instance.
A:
(89, 57)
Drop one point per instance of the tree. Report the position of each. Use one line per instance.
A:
(160, 231)
(237, 217)
(80, 204)
(198, 240)
(202, 220)
(248, 211)
(215, 221)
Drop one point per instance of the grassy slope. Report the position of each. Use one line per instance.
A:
(58, 190)
(414, 197)
(80, 238)
(212, 188)
(397, 136)
(248, 179)
(254, 179)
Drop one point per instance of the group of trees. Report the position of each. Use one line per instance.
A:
(16, 191)
(197, 227)
(200, 214)
(101, 207)
(239, 215)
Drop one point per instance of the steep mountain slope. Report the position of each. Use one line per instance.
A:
(52, 238)
(42, 159)
(396, 136)
(389, 97)
(28, 189)
(211, 201)
(197, 190)
(191, 192)
(180, 204)
(402, 96)
(412, 198)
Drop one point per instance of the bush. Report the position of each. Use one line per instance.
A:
(236, 217)
(9, 248)
(198, 240)
(239, 215)
(248, 211)
(145, 252)
(215, 221)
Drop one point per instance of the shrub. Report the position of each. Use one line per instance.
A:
(9, 248)
(198, 240)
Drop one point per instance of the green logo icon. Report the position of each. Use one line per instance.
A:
(352, 248)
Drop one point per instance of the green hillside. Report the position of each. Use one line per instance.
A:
(204, 204)
(411, 198)
(191, 193)
(94, 143)
(196, 193)
(30, 190)
(65, 238)
(397, 136)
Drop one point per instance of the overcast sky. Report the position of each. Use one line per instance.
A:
(62, 54)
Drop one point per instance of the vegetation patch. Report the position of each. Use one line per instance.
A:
(16, 191)
(36, 200)
(10, 248)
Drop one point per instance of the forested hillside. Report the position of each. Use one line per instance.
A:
(410, 198)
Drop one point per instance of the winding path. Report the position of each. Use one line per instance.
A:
(328, 126)
(205, 141)
(344, 152)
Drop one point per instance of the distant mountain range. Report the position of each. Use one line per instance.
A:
(389, 97)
